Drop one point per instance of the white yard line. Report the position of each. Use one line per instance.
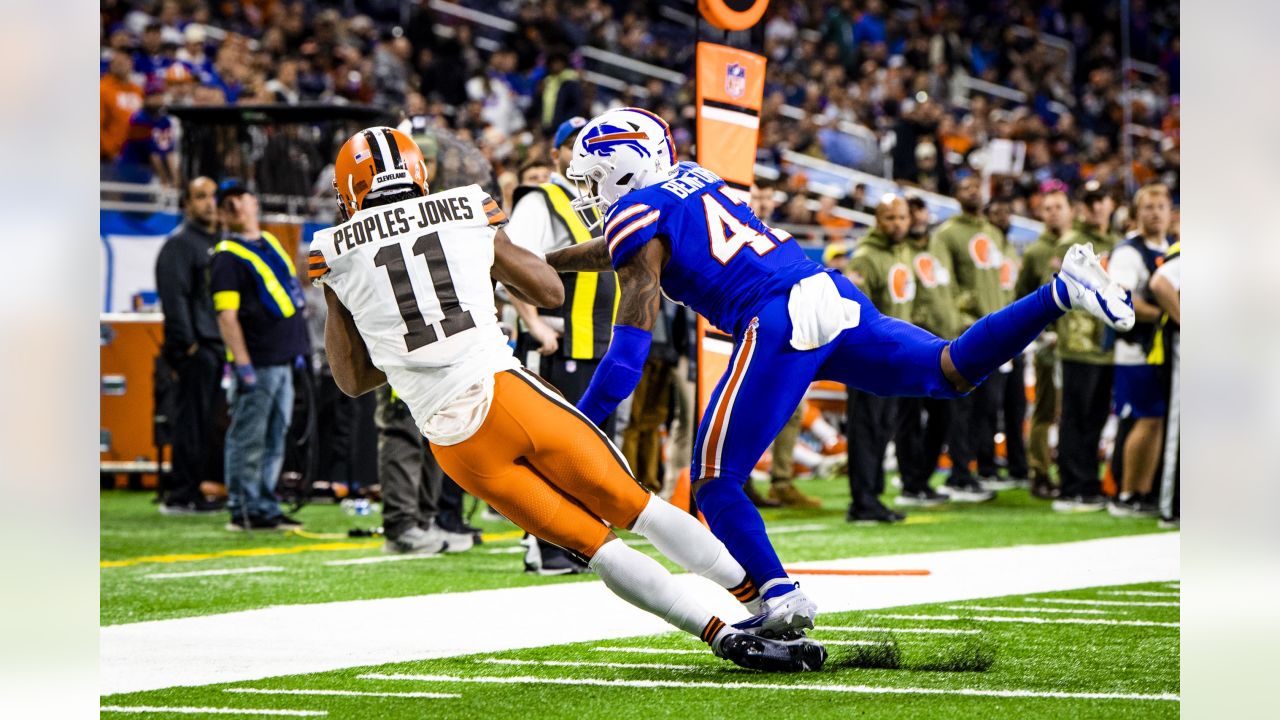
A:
(342, 693)
(861, 689)
(1108, 603)
(1141, 593)
(1081, 611)
(139, 709)
(921, 631)
(281, 640)
(379, 559)
(212, 573)
(502, 550)
(589, 663)
(1174, 585)
(1034, 620)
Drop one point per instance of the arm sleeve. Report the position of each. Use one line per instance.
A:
(618, 374)
(493, 212)
(173, 284)
(627, 228)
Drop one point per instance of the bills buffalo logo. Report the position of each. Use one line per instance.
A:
(735, 80)
(984, 253)
(930, 272)
(902, 284)
(605, 139)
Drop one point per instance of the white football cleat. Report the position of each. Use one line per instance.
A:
(784, 617)
(1091, 289)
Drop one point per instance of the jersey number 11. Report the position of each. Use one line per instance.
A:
(420, 334)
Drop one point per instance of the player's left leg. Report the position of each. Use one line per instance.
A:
(758, 393)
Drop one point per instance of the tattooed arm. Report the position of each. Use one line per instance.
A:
(590, 256)
(622, 365)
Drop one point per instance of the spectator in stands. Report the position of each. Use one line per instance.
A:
(881, 268)
(1140, 393)
(1055, 213)
(535, 171)
(192, 347)
(148, 151)
(856, 200)
(559, 95)
(259, 300)
(119, 98)
(147, 60)
(417, 495)
(1088, 368)
(837, 227)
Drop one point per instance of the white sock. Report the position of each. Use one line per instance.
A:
(806, 456)
(680, 536)
(641, 581)
(826, 433)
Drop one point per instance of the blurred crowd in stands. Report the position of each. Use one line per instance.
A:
(909, 90)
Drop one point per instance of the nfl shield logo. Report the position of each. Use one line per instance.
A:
(735, 80)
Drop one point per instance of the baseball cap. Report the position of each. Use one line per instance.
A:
(230, 188)
(567, 130)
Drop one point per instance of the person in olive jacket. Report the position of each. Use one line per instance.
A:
(881, 268)
(973, 247)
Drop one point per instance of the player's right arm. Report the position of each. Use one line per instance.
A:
(349, 360)
(524, 275)
(590, 256)
(623, 363)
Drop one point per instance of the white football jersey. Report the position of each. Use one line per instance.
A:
(416, 277)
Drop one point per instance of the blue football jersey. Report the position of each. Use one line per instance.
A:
(725, 263)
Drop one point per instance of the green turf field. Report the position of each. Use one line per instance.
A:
(140, 548)
(1051, 660)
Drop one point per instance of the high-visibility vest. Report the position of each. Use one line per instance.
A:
(590, 298)
(274, 270)
(1157, 353)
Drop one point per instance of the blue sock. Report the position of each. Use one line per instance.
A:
(737, 523)
(998, 337)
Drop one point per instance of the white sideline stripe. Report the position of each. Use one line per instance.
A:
(211, 573)
(1141, 593)
(1174, 585)
(342, 693)
(156, 654)
(502, 550)
(1035, 620)
(649, 650)
(208, 710)
(380, 559)
(586, 663)
(925, 631)
(1080, 611)
(865, 689)
(1109, 603)
(729, 116)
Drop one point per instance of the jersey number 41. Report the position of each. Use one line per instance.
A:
(729, 234)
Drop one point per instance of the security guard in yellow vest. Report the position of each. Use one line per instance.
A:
(564, 346)
(259, 303)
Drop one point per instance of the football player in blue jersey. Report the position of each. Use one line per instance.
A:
(675, 227)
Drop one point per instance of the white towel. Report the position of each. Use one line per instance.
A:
(819, 313)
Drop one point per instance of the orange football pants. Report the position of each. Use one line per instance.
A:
(545, 467)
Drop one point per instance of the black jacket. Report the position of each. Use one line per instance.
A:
(182, 280)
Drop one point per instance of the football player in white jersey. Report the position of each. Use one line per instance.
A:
(408, 278)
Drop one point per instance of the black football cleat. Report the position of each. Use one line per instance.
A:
(757, 653)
